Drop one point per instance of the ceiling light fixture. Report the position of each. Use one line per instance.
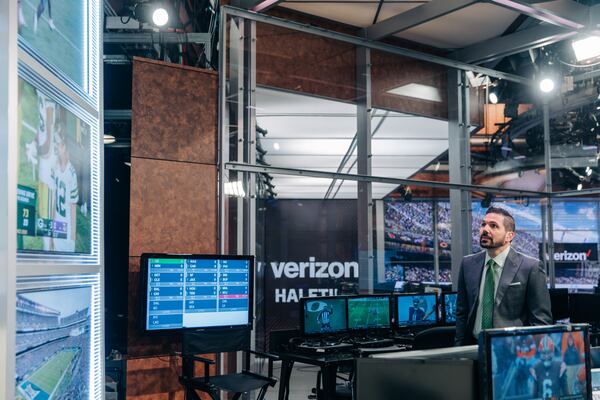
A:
(109, 139)
(587, 48)
(160, 16)
(547, 85)
(493, 97)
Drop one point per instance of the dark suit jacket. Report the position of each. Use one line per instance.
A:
(522, 296)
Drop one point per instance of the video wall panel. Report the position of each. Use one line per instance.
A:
(56, 332)
(58, 176)
(62, 36)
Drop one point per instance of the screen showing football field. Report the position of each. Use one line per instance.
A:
(56, 31)
(53, 193)
(53, 344)
(369, 312)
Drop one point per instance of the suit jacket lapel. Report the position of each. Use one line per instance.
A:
(511, 266)
(478, 267)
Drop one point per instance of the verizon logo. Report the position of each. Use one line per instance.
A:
(572, 256)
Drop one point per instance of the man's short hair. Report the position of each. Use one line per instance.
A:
(509, 221)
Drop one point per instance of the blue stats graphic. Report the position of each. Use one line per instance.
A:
(182, 292)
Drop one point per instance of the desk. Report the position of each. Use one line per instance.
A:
(328, 363)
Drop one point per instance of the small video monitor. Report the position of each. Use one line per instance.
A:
(368, 312)
(584, 308)
(416, 309)
(449, 307)
(549, 362)
(324, 315)
(596, 380)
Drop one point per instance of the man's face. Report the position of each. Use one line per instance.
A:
(62, 151)
(492, 233)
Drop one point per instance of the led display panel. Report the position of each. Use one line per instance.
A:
(54, 178)
(53, 344)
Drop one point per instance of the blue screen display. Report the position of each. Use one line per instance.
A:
(197, 293)
(418, 309)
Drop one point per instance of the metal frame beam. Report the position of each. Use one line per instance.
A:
(235, 166)
(459, 163)
(414, 17)
(8, 196)
(156, 38)
(572, 15)
(363, 156)
(489, 50)
(228, 11)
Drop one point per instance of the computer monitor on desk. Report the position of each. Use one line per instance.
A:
(584, 308)
(323, 315)
(367, 313)
(449, 308)
(536, 362)
(416, 310)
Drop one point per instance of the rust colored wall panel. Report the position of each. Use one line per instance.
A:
(389, 71)
(174, 112)
(173, 207)
(305, 63)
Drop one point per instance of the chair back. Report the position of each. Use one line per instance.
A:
(215, 341)
(432, 338)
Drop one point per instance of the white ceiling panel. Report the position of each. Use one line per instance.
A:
(360, 14)
(303, 127)
(470, 25)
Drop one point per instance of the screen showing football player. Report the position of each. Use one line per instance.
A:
(418, 311)
(66, 195)
(549, 373)
(324, 318)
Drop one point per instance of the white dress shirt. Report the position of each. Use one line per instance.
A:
(500, 259)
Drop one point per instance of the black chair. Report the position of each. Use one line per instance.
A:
(433, 338)
(237, 383)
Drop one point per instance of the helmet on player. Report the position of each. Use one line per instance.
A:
(416, 301)
(546, 350)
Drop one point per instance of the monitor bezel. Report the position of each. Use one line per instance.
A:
(144, 291)
(429, 325)
(485, 351)
(390, 311)
(303, 301)
(443, 308)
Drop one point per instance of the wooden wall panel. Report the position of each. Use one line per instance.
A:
(175, 112)
(173, 207)
(389, 71)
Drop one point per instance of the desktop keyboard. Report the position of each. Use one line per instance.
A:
(373, 342)
(324, 347)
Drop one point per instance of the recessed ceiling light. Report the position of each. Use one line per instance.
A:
(276, 146)
(418, 91)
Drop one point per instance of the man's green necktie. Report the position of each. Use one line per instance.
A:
(487, 301)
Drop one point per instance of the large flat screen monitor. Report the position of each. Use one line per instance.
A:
(368, 312)
(449, 307)
(416, 309)
(550, 362)
(196, 291)
(323, 315)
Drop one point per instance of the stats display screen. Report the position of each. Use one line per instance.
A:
(372, 312)
(538, 365)
(324, 315)
(417, 309)
(449, 307)
(197, 291)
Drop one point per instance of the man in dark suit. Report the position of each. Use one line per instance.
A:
(499, 287)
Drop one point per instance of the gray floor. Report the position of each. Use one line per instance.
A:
(304, 377)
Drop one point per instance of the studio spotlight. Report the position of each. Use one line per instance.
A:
(547, 85)
(160, 16)
(588, 171)
(493, 97)
(579, 186)
(154, 12)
